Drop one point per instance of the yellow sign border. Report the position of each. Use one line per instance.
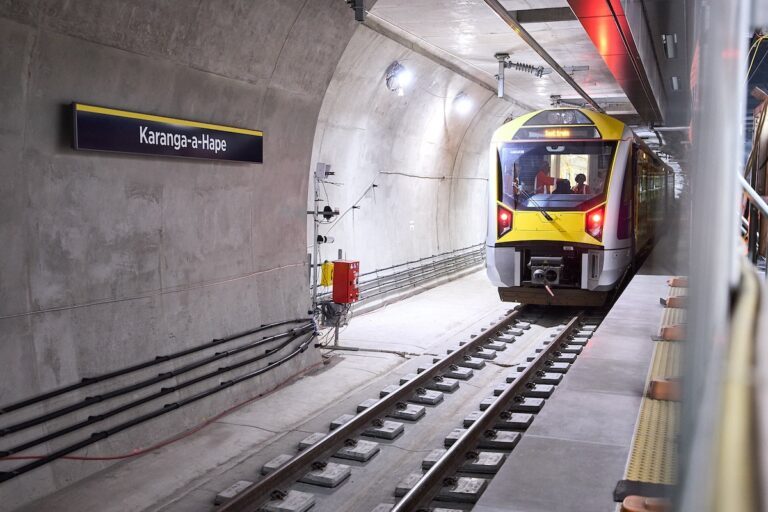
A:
(82, 107)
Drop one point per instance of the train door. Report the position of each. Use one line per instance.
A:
(644, 222)
(628, 205)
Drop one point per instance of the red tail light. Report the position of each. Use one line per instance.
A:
(593, 223)
(503, 221)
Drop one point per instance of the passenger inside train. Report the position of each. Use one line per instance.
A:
(538, 174)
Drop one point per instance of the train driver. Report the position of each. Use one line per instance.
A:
(581, 186)
(544, 182)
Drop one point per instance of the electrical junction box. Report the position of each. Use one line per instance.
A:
(345, 281)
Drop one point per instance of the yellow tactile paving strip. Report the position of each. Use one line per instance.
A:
(673, 316)
(666, 360)
(654, 454)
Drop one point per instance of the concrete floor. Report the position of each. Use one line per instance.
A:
(186, 475)
(574, 453)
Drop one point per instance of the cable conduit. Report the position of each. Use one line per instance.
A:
(142, 384)
(87, 381)
(141, 401)
(98, 436)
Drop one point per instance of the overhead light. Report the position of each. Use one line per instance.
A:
(675, 83)
(398, 77)
(462, 103)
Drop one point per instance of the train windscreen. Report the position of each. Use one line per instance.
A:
(554, 175)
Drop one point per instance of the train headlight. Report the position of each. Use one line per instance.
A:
(504, 221)
(593, 224)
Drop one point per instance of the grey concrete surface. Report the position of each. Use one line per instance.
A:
(577, 448)
(110, 259)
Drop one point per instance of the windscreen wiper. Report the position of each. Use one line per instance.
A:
(537, 205)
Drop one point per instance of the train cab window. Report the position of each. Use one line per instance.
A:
(555, 175)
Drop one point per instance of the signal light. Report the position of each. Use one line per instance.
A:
(504, 221)
(593, 224)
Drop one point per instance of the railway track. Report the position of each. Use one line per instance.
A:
(456, 473)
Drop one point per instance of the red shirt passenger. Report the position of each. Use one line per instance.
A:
(544, 181)
(581, 185)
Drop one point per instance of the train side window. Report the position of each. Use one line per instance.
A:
(625, 208)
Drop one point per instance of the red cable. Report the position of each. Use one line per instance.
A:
(141, 451)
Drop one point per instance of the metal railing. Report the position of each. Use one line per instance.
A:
(411, 274)
(758, 209)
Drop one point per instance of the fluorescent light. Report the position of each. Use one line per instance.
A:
(405, 77)
(462, 103)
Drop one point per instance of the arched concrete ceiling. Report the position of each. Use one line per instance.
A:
(472, 32)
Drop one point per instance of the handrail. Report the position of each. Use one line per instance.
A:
(753, 195)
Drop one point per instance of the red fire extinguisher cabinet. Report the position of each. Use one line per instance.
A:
(345, 281)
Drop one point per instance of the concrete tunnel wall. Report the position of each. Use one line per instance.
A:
(111, 259)
(429, 162)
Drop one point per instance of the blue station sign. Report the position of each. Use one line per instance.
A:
(108, 129)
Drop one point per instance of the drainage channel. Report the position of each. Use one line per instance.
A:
(354, 439)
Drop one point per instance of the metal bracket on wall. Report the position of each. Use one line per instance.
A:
(359, 8)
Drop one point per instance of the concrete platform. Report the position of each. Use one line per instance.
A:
(574, 453)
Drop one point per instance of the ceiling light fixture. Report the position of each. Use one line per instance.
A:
(398, 77)
(462, 103)
(670, 45)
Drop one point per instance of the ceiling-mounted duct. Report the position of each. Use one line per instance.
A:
(606, 24)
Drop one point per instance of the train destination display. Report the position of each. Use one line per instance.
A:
(107, 129)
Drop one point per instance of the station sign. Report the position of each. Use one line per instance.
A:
(108, 129)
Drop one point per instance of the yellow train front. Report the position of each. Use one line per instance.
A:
(576, 200)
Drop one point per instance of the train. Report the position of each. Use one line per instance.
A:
(576, 201)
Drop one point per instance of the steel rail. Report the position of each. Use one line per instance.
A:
(530, 41)
(255, 495)
(424, 491)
